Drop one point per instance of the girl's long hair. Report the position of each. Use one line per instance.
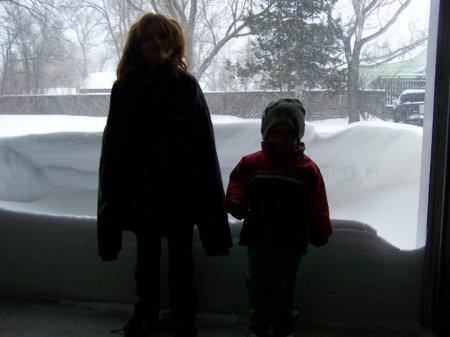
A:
(133, 61)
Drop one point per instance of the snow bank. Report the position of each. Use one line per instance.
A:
(357, 279)
(369, 274)
(371, 169)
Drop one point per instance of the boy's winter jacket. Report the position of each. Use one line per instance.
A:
(158, 166)
(285, 200)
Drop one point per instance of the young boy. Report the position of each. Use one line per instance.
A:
(280, 194)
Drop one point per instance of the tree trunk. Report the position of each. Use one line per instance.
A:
(353, 89)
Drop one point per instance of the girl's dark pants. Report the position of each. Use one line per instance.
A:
(183, 302)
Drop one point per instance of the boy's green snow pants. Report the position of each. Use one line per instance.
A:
(271, 285)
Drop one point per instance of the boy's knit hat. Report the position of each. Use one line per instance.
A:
(285, 110)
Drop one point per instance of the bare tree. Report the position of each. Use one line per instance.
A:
(116, 17)
(52, 28)
(20, 62)
(83, 28)
(34, 48)
(7, 56)
(35, 8)
(370, 21)
(208, 24)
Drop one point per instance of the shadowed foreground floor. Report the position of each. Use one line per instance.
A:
(31, 318)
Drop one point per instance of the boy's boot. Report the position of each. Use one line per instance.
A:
(137, 327)
(145, 319)
(134, 328)
(283, 332)
(187, 328)
(254, 334)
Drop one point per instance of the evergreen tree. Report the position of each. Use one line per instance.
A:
(296, 45)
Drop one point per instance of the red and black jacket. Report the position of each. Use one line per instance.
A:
(285, 200)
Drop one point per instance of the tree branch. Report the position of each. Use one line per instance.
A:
(388, 24)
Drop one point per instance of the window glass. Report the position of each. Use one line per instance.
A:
(57, 67)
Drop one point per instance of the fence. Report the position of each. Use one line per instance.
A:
(394, 85)
(318, 104)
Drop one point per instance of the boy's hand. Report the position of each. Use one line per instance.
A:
(109, 257)
(237, 210)
(319, 241)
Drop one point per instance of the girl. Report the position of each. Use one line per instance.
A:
(159, 172)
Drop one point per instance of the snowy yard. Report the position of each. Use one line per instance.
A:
(370, 273)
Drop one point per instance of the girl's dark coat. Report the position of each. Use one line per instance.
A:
(158, 166)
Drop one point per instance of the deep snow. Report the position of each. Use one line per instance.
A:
(369, 274)
(371, 169)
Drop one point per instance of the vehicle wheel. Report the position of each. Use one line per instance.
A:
(404, 117)
(396, 119)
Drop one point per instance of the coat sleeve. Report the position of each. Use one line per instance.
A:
(236, 195)
(236, 192)
(210, 215)
(109, 232)
(319, 228)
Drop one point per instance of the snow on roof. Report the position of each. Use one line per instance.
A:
(412, 91)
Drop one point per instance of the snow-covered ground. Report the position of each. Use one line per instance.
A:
(371, 169)
(370, 273)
